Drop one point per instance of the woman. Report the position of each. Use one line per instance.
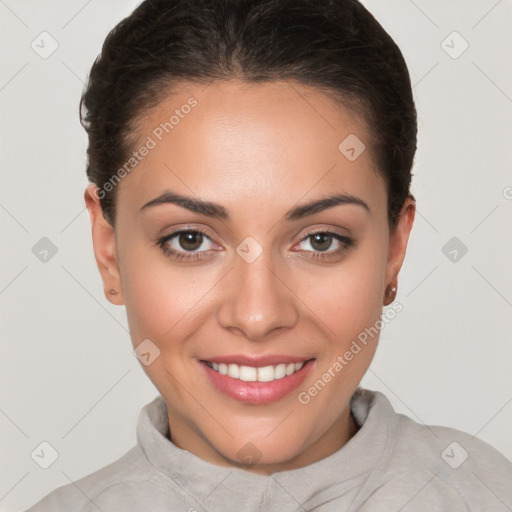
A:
(250, 165)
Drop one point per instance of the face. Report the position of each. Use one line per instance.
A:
(245, 286)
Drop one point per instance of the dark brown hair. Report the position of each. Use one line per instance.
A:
(334, 45)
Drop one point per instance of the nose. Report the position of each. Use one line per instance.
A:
(256, 301)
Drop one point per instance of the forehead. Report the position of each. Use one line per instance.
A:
(227, 139)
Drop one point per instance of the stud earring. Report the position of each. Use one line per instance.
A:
(112, 292)
(390, 295)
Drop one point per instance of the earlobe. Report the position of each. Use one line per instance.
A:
(104, 243)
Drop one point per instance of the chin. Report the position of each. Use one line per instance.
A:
(257, 454)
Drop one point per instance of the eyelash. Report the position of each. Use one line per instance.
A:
(190, 256)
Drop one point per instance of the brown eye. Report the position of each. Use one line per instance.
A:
(186, 245)
(190, 240)
(326, 244)
(321, 241)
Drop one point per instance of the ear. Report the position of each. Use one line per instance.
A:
(398, 240)
(103, 238)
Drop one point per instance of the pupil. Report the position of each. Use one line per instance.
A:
(319, 237)
(190, 241)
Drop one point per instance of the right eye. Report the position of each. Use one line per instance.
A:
(185, 244)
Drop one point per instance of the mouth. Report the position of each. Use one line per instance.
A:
(256, 381)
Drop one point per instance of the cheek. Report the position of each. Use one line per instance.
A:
(160, 296)
(348, 297)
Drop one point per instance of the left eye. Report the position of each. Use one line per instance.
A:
(322, 241)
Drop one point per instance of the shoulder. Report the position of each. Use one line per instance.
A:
(447, 464)
(446, 447)
(109, 485)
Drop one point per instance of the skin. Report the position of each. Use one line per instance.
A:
(258, 150)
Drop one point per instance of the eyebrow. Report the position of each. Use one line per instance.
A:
(215, 210)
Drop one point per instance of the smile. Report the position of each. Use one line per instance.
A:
(257, 385)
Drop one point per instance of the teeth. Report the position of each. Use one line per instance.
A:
(234, 371)
(248, 374)
(280, 371)
(252, 374)
(264, 374)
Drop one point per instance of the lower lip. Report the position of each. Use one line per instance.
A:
(258, 392)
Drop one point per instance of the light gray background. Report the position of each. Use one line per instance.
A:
(68, 375)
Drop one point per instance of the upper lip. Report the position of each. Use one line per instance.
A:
(256, 361)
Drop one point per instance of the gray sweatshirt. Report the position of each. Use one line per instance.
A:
(391, 464)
